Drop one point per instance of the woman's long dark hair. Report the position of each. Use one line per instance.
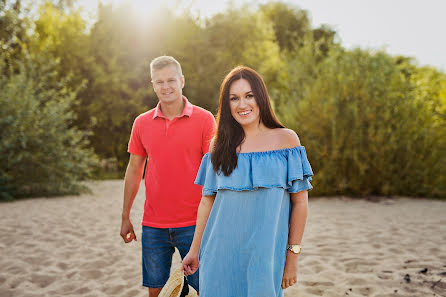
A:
(230, 134)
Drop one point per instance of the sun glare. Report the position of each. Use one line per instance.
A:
(141, 9)
(205, 8)
(147, 6)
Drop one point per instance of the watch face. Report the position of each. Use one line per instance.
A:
(295, 249)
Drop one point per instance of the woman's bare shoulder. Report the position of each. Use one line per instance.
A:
(287, 138)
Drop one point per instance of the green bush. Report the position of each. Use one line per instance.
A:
(368, 121)
(41, 154)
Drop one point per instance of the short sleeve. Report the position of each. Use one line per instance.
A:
(206, 176)
(208, 132)
(135, 145)
(300, 172)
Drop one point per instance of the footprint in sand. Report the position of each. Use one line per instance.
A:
(11, 268)
(82, 291)
(42, 280)
(92, 274)
(315, 291)
(318, 268)
(71, 274)
(386, 275)
(359, 267)
(132, 293)
(96, 264)
(317, 284)
(15, 282)
(62, 266)
(67, 289)
(116, 289)
(356, 281)
(2, 280)
(365, 291)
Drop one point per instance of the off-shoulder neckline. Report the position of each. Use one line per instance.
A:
(267, 152)
(271, 151)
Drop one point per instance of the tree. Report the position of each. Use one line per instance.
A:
(369, 129)
(40, 151)
(292, 27)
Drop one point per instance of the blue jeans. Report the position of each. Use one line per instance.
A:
(158, 246)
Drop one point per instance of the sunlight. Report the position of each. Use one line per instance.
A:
(208, 8)
(145, 7)
(145, 12)
(204, 8)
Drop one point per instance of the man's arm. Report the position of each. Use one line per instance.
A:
(132, 180)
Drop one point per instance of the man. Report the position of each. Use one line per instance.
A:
(173, 137)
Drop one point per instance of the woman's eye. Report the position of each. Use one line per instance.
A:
(250, 96)
(233, 98)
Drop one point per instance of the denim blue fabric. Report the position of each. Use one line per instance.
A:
(158, 246)
(243, 247)
(285, 168)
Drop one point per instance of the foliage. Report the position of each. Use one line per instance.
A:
(373, 124)
(250, 43)
(40, 152)
(367, 122)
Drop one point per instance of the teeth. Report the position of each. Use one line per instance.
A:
(244, 113)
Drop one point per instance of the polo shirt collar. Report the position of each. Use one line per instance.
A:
(187, 110)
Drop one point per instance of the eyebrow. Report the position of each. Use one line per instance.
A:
(245, 93)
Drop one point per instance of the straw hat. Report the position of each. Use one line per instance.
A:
(175, 286)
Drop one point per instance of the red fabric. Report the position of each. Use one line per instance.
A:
(174, 150)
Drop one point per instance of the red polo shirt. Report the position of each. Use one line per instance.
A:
(174, 149)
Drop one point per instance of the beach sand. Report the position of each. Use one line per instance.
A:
(70, 246)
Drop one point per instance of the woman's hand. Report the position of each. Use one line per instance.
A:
(190, 263)
(290, 271)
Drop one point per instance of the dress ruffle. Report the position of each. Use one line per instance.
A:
(285, 168)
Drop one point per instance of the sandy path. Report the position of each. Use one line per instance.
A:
(70, 246)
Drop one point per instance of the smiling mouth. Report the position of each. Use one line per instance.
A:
(245, 113)
(165, 94)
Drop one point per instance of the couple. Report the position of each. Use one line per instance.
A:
(245, 235)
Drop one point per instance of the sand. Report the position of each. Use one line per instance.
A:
(70, 246)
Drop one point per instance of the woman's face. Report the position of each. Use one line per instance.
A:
(243, 105)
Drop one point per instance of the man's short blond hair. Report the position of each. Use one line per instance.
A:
(164, 61)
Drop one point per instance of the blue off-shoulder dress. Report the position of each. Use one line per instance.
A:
(243, 248)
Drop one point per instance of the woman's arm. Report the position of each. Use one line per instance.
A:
(190, 262)
(298, 219)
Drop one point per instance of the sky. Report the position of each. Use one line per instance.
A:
(414, 28)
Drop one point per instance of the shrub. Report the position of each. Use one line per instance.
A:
(41, 153)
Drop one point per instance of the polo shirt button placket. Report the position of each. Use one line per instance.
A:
(167, 126)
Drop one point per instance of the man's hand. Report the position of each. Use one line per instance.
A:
(127, 232)
(190, 264)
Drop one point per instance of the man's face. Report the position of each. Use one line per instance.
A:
(168, 84)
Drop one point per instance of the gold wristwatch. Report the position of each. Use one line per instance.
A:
(295, 248)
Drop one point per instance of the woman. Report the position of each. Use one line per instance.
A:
(255, 182)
